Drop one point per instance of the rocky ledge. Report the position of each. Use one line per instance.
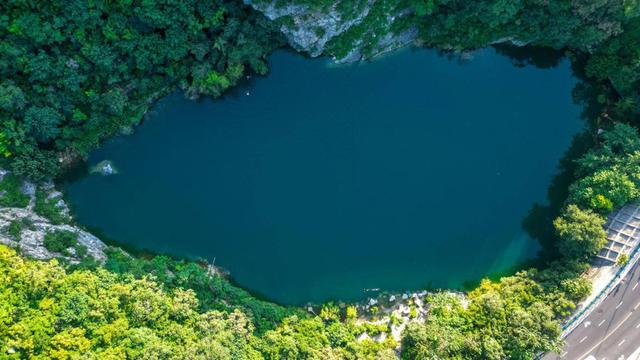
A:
(30, 241)
(24, 229)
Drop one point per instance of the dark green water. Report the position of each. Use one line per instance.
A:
(408, 171)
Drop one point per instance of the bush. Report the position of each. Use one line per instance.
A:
(15, 229)
(48, 209)
(60, 241)
(12, 196)
(623, 260)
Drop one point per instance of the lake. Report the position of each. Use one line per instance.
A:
(320, 181)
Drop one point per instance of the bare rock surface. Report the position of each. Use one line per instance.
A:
(310, 29)
(30, 240)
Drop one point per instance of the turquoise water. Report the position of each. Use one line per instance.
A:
(318, 181)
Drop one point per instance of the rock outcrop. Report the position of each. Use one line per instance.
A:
(104, 168)
(30, 241)
(313, 29)
(30, 229)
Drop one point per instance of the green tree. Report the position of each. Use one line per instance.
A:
(581, 232)
(604, 191)
(11, 97)
(42, 123)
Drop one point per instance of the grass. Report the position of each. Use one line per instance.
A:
(14, 230)
(48, 209)
(12, 196)
(61, 240)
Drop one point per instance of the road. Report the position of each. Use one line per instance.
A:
(612, 330)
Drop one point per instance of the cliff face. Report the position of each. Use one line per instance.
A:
(348, 32)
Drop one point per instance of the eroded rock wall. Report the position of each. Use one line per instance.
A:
(348, 33)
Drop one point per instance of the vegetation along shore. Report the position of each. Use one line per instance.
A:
(76, 73)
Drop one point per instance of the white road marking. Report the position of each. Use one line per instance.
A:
(622, 342)
(583, 339)
(606, 337)
(620, 304)
(563, 354)
(637, 326)
(602, 322)
(634, 286)
(636, 307)
(587, 323)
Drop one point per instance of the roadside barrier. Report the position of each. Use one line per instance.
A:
(577, 319)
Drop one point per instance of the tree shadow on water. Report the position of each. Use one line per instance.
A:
(540, 57)
(539, 221)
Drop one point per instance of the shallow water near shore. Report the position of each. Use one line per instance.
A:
(317, 182)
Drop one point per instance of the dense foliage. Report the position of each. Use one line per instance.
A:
(213, 292)
(518, 316)
(49, 312)
(76, 72)
(12, 196)
(73, 73)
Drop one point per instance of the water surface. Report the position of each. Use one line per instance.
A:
(318, 181)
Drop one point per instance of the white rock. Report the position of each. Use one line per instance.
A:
(54, 194)
(28, 188)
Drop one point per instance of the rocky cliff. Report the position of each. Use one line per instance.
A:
(348, 31)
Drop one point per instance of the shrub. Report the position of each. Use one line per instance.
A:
(413, 312)
(48, 209)
(12, 196)
(60, 241)
(15, 229)
(352, 313)
(623, 260)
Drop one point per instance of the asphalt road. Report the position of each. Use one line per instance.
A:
(612, 330)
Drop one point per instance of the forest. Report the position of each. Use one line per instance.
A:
(77, 72)
(74, 73)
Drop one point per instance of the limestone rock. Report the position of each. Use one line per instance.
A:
(310, 29)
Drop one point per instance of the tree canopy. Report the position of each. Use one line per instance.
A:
(73, 73)
(76, 72)
(47, 311)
